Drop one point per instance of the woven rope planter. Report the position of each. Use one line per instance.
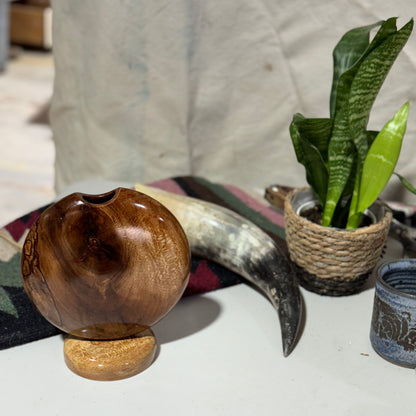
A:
(333, 261)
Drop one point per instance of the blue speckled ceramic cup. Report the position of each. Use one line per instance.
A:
(393, 325)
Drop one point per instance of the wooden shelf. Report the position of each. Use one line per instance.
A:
(31, 25)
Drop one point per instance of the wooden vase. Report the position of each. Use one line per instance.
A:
(104, 269)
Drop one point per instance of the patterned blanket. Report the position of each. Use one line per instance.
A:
(21, 323)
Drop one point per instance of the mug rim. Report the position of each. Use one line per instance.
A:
(389, 287)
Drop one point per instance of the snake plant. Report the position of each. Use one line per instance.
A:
(348, 166)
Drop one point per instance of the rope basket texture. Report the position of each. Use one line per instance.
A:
(331, 257)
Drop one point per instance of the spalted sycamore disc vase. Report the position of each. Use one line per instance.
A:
(104, 269)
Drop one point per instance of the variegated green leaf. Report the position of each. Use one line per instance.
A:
(406, 183)
(360, 67)
(309, 136)
(341, 159)
(365, 87)
(344, 72)
(356, 92)
(295, 136)
(349, 187)
(316, 173)
(342, 155)
(317, 132)
(367, 83)
(346, 53)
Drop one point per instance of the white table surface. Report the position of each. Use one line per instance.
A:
(220, 354)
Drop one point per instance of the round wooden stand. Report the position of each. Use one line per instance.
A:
(110, 360)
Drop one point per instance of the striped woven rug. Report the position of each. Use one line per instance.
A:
(21, 323)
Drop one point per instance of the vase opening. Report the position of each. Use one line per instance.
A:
(99, 199)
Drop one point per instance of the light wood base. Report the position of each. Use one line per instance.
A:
(110, 360)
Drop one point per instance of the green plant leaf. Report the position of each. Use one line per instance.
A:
(295, 136)
(365, 87)
(382, 159)
(406, 183)
(353, 215)
(316, 173)
(356, 92)
(341, 153)
(368, 80)
(344, 76)
(341, 159)
(317, 132)
(349, 187)
(308, 137)
(388, 27)
(346, 53)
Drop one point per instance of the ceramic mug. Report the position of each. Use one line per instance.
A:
(393, 325)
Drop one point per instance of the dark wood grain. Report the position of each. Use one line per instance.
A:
(105, 266)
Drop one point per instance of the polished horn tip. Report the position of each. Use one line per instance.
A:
(288, 347)
(291, 323)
